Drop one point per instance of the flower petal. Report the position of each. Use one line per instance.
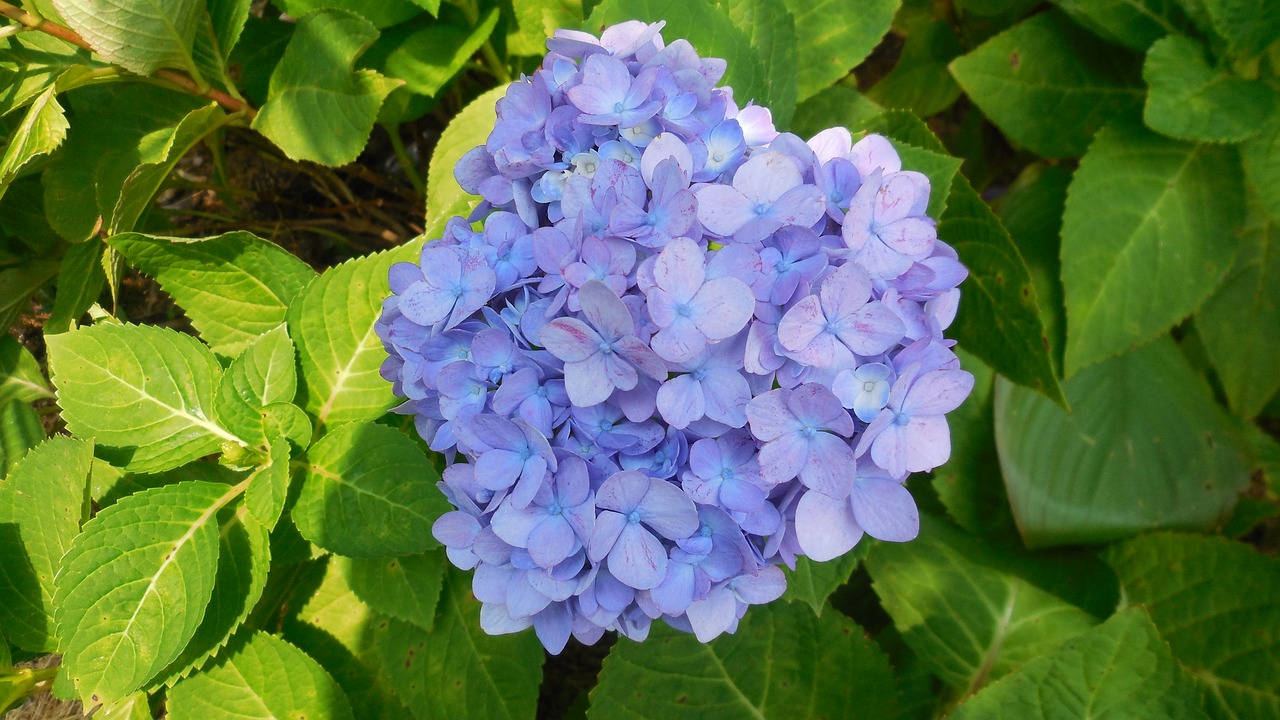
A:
(825, 529)
(885, 509)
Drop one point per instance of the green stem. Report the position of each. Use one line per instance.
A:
(496, 66)
(406, 162)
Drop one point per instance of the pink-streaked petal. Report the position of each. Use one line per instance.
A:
(802, 323)
(608, 527)
(681, 401)
(723, 210)
(829, 467)
(669, 511)
(642, 357)
(766, 177)
(899, 194)
(814, 404)
(769, 415)
(885, 510)
(825, 529)
(679, 342)
(871, 329)
(783, 459)
(913, 237)
(680, 269)
(801, 206)
(569, 339)
(638, 558)
(938, 392)
(665, 145)
(845, 290)
(722, 307)
(605, 310)
(620, 373)
(874, 152)
(623, 491)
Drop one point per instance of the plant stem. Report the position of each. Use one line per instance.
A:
(182, 80)
(496, 66)
(406, 162)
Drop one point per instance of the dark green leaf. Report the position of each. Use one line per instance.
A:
(43, 502)
(837, 106)
(771, 30)
(1049, 85)
(80, 282)
(20, 376)
(832, 43)
(1137, 201)
(1130, 457)
(369, 491)
(233, 287)
(427, 54)
(406, 588)
(920, 81)
(813, 582)
(1132, 23)
(783, 661)
(317, 108)
(1217, 603)
(1261, 156)
(20, 430)
(382, 13)
(1249, 26)
(1121, 669)
(999, 320)
(18, 284)
(1191, 100)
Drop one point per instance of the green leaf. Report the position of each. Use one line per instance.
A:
(1249, 26)
(406, 588)
(244, 556)
(1049, 85)
(1132, 23)
(813, 582)
(382, 13)
(43, 502)
(969, 484)
(1121, 669)
(759, 68)
(919, 82)
(1240, 323)
(1137, 200)
(141, 37)
(40, 133)
(457, 671)
(1191, 100)
(134, 586)
(20, 376)
(1144, 447)
(1217, 603)
(345, 636)
(339, 352)
(264, 677)
(134, 123)
(233, 287)
(999, 320)
(20, 430)
(837, 106)
(317, 108)
(963, 610)
(833, 45)
(1261, 156)
(32, 62)
(228, 18)
(783, 661)
(144, 392)
(427, 54)
(158, 160)
(470, 128)
(262, 44)
(369, 491)
(263, 373)
(269, 485)
(80, 280)
(940, 169)
(537, 20)
(18, 284)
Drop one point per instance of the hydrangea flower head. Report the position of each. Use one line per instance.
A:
(671, 348)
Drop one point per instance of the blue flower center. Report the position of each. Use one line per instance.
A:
(633, 517)
(868, 386)
(555, 508)
(683, 310)
(605, 348)
(761, 209)
(902, 419)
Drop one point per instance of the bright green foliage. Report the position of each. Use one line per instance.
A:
(20, 376)
(842, 36)
(1240, 323)
(783, 661)
(227, 19)
(406, 588)
(1169, 460)
(20, 430)
(1121, 670)
(1197, 589)
(1191, 100)
(263, 677)
(316, 108)
(536, 20)
(79, 282)
(964, 610)
(43, 502)
(369, 491)
(760, 67)
(813, 582)
(233, 287)
(382, 13)
(456, 671)
(470, 128)
(269, 485)
(144, 392)
(141, 37)
(263, 373)
(1132, 23)
(999, 320)
(1049, 85)
(1135, 198)
(331, 323)
(134, 586)
(31, 63)
(40, 133)
(426, 55)
(244, 556)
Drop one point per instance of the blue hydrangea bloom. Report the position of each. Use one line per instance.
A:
(672, 348)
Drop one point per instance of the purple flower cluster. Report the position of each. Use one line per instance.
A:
(681, 350)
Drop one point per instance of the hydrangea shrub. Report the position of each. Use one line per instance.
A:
(677, 350)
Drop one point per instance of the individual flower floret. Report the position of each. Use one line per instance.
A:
(689, 309)
(803, 432)
(635, 507)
